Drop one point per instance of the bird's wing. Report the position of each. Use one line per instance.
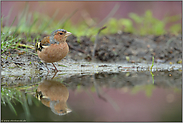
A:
(43, 44)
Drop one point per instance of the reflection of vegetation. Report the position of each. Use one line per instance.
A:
(10, 95)
(176, 90)
(7, 95)
(147, 88)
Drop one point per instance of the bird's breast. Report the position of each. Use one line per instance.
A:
(54, 52)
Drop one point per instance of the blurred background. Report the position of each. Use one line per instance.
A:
(96, 10)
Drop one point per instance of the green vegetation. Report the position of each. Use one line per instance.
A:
(144, 25)
(36, 24)
(147, 24)
(151, 69)
(8, 40)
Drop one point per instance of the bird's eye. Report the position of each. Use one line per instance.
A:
(61, 33)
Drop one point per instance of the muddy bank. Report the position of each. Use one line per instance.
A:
(116, 48)
(123, 79)
(127, 47)
(38, 72)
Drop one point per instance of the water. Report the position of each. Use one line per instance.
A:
(102, 96)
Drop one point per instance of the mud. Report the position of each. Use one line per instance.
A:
(116, 49)
(130, 48)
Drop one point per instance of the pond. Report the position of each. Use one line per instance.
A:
(94, 92)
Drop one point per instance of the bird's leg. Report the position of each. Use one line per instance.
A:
(55, 68)
(47, 67)
(54, 74)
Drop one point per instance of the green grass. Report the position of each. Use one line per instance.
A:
(8, 41)
(39, 24)
(144, 25)
(151, 70)
(152, 63)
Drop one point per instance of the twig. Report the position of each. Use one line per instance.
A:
(26, 46)
(105, 98)
(97, 90)
(96, 40)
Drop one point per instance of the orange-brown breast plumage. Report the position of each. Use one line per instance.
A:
(54, 53)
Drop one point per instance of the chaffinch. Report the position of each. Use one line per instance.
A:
(53, 48)
(54, 94)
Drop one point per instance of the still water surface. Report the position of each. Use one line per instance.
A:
(125, 96)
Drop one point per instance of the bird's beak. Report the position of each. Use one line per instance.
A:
(69, 110)
(68, 33)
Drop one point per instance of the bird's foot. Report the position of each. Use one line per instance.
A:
(56, 70)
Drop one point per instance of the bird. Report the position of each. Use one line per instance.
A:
(54, 94)
(53, 48)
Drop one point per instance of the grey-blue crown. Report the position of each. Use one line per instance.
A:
(53, 33)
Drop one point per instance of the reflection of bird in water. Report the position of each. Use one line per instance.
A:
(53, 94)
